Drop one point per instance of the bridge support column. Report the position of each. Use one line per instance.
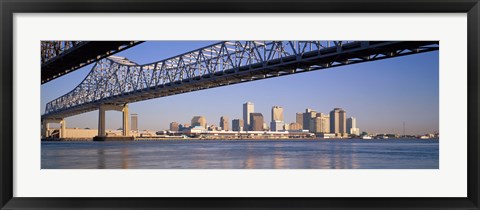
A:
(101, 121)
(63, 130)
(126, 128)
(46, 127)
(101, 118)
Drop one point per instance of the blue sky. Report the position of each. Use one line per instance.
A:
(381, 94)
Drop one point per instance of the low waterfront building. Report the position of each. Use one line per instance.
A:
(277, 125)
(295, 126)
(183, 127)
(215, 134)
(326, 135)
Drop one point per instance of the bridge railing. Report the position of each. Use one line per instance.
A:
(116, 76)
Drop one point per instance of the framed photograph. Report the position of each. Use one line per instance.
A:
(239, 105)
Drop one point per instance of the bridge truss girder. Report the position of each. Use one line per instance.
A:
(119, 81)
(62, 57)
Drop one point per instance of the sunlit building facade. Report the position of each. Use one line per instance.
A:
(256, 120)
(199, 121)
(299, 118)
(248, 108)
(174, 126)
(295, 126)
(352, 126)
(338, 121)
(134, 122)
(224, 123)
(308, 119)
(321, 123)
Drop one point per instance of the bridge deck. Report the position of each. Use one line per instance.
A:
(162, 83)
(80, 54)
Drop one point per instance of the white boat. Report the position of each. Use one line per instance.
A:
(366, 137)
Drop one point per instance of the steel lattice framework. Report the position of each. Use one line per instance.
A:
(52, 49)
(61, 57)
(118, 81)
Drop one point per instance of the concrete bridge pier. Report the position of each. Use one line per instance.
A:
(101, 118)
(46, 127)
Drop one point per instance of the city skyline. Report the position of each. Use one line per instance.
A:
(383, 94)
(319, 123)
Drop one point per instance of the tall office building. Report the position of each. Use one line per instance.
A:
(237, 125)
(277, 113)
(321, 123)
(199, 121)
(299, 118)
(277, 122)
(134, 120)
(308, 119)
(224, 123)
(352, 126)
(256, 120)
(338, 121)
(174, 126)
(247, 110)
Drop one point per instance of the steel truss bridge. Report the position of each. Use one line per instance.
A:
(116, 81)
(61, 57)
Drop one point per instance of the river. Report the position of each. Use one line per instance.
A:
(242, 154)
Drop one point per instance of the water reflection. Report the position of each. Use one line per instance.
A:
(250, 160)
(342, 158)
(101, 158)
(125, 160)
(276, 154)
(278, 160)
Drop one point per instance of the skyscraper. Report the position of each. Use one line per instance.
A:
(199, 121)
(247, 110)
(277, 113)
(134, 120)
(224, 123)
(338, 121)
(237, 125)
(307, 119)
(299, 118)
(277, 122)
(352, 126)
(174, 126)
(321, 123)
(256, 120)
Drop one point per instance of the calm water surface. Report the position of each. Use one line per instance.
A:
(269, 154)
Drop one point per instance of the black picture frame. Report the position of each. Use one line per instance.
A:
(10, 7)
